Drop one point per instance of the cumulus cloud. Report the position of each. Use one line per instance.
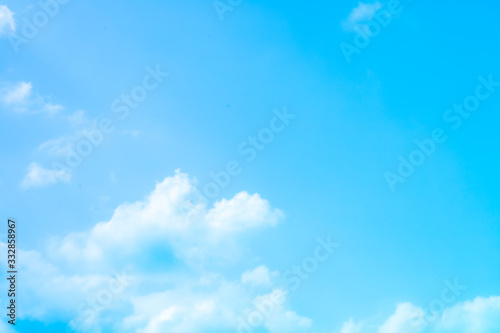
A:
(189, 307)
(39, 176)
(21, 98)
(7, 23)
(176, 290)
(192, 231)
(209, 304)
(227, 215)
(363, 13)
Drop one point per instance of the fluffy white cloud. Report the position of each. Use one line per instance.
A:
(72, 278)
(168, 216)
(213, 304)
(39, 176)
(362, 13)
(188, 307)
(244, 211)
(7, 23)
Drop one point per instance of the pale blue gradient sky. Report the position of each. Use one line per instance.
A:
(325, 171)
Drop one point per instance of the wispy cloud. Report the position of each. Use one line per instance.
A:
(38, 176)
(21, 98)
(7, 23)
(133, 133)
(59, 146)
(259, 276)
(18, 93)
(77, 118)
(363, 13)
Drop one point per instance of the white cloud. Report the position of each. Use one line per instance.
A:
(192, 299)
(18, 93)
(49, 107)
(188, 307)
(20, 98)
(63, 145)
(38, 176)
(167, 214)
(7, 23)
(72, 270)
(227, 215)
(58, 147)
(77, 118)
(210, 304)
(479, 315)
(259, 276)
(363, 13)
(403, 320)
(284, 320)
(49, 292)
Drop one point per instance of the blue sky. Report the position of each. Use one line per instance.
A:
(183, 166)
